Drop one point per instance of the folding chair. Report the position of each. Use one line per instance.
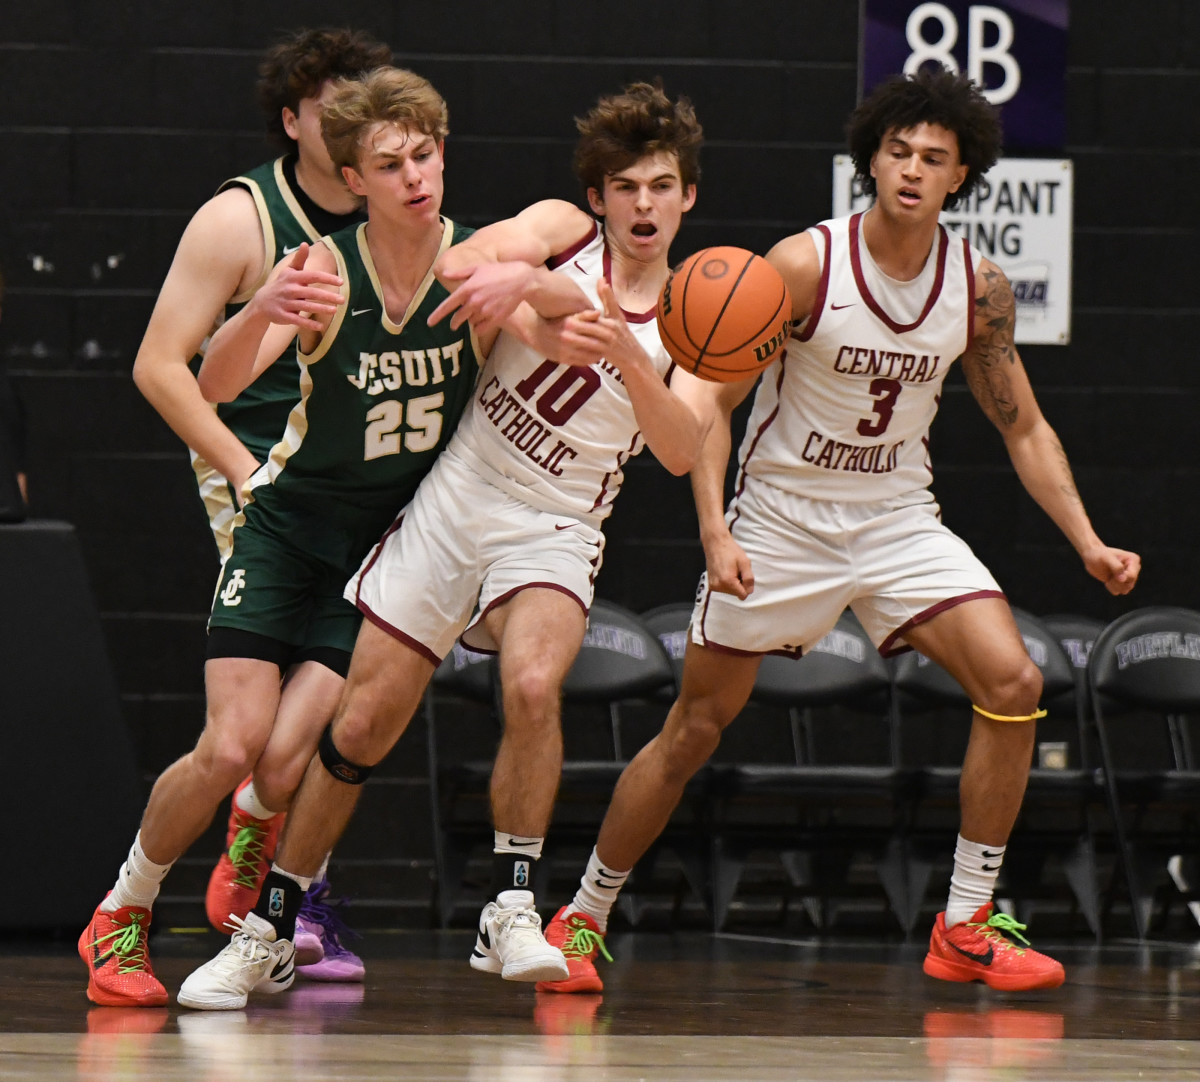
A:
(833, 795)
(1145, 671)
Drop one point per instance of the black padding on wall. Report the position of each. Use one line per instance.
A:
(70, 798)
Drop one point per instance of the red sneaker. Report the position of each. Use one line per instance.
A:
(113, 947)
(579, 938)
(984, 948)
(236, 880)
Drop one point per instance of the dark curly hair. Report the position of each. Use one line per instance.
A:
(622, 128)
(934, 95)
(298, 64)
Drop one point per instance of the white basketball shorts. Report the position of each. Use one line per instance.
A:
(892, 562)
(464, 545)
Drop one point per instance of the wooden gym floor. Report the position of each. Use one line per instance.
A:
(683, 1007)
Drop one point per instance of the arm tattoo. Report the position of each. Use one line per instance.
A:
(986, 361)
(1067, 487)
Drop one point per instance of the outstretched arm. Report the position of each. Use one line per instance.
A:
(998, 381)
(301, 295)
(495, 269)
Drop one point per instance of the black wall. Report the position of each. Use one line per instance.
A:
(118, 119)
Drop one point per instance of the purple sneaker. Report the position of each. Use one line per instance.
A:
(319, 928)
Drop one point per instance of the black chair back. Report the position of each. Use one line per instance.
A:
(844, 666)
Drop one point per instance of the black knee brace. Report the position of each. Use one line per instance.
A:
(340, 768)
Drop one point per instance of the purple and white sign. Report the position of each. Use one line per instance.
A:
(1015, 50)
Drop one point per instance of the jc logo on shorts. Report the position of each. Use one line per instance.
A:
(236, 580)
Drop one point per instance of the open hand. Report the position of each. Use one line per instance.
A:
(488, 294)
(296, 296)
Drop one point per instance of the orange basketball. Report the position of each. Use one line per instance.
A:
(724, 314)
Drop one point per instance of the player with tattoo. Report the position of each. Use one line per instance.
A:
(832, 508)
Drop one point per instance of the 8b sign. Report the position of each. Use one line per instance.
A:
(1014, 51)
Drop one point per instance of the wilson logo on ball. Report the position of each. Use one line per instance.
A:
(724, 314)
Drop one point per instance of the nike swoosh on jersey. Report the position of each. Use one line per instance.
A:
(566, 527)
(360, 311)
(288, 250)
(838, 307)
(983, 959)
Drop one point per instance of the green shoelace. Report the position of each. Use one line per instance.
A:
(247, 855)
(128, 944)
(583, 942)
(1003, 929)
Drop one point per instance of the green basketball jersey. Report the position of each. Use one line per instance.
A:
(378, 399)
(258, 415)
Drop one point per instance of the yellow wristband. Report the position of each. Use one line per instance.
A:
(1006, 717)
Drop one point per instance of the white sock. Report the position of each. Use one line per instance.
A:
(598, 890)
(974, 880)
(305, 881)
(247, 800)
(515, 899)
(137, 881)
(518, 843)
(323, 871)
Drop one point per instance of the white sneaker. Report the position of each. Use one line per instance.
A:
(253, 961)
(1178, 874)
(510, 942)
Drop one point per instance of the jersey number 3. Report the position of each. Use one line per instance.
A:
(885, 392)
(383, 435)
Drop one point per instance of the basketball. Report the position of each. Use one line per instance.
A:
(724, 314)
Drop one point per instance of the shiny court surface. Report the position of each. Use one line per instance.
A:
(687, 1007)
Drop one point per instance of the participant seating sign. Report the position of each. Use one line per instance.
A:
(1019, 217)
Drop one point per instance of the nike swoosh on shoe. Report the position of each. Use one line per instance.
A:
(982, 959)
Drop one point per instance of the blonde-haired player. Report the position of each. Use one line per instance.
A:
(510, 519)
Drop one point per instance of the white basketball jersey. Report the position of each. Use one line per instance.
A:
(845, 414)
(551, 434)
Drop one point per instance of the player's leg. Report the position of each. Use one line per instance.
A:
(262, 605)
(715, 687)
(242, 694)
(383, 689)
(539, 632)
(801, 588)
(979, 644)
(312, 689)
(308, 699)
